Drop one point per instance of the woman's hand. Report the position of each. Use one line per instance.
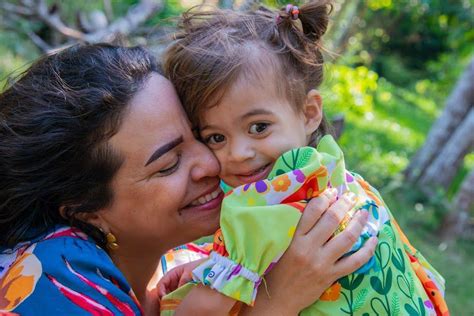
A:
(312, 262)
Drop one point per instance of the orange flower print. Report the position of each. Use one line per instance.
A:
(368, 191)
(281, 183)
(20, 279)
(219, 245)
(332, 294)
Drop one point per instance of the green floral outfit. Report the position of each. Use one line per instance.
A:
(258, 221)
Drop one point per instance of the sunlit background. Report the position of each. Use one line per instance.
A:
(399, 76)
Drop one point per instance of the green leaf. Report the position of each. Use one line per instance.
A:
(402, 282)
(279, 172)
(422, 306)
(397, 263)
(411, 284)
(294, 158)
(385, 254)
(360, 299)
(397, 259)
(357, 281)
(411, 311)
(345, 283)
(304, 158)
(388, 281)
(395, 304)
(376, 285)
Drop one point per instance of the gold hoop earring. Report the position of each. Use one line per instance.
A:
(111, 241)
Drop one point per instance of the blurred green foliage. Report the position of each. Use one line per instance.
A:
(405, 40)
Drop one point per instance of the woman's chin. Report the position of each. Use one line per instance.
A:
(205, 217)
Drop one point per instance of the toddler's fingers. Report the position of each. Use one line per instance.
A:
(356, 260)
(161, 290)
(331, 219)
(185, 278)
(314, 209)
(171, 279)
(344, 241)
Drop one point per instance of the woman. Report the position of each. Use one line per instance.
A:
(100, 174)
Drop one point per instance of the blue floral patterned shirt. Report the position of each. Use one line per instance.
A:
(63, 273)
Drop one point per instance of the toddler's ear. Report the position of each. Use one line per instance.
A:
(313, 111)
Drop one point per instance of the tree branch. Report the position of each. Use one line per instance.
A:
(248, 5)
(125, 25)
(456, 109)
(54, 21)
(38, 41)
(15, 9)
(38, 9)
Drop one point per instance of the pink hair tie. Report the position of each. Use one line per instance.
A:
(293, 11)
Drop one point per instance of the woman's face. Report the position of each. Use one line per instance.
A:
(166, 192)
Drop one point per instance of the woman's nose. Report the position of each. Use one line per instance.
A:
(205, 163)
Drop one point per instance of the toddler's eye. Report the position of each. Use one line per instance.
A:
(258, 128)
(214, 139)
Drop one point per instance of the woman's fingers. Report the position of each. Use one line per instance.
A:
(331, 219)
(344, 241)
(356, 260)
(314, 209)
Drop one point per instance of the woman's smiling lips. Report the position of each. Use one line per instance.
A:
(207, 201)
(255, 175)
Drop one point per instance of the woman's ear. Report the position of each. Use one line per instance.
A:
(92, 218)
(313, 111)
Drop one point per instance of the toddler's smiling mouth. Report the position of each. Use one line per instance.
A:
(255, 175)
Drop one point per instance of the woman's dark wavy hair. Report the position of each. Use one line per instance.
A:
(55, 123)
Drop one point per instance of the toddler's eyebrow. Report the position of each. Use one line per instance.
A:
(164, 149)
(256, 112)
(245, 116)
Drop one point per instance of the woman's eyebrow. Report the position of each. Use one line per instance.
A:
(164, 149)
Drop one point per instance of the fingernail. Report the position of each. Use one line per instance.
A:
(331, 192)
(350, 196)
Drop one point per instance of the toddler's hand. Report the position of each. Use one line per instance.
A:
(176, 277)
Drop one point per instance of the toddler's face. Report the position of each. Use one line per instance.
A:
(249, 129)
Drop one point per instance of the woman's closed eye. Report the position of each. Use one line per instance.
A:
(169, 168)
(258, 128)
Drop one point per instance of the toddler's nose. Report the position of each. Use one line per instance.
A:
(240, 151)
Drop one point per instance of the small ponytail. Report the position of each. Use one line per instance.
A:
(302, 33)
(314, 17)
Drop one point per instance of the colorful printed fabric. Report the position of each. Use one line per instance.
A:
(180, 255)
(258, 221)
(183, 254)
(63, 273)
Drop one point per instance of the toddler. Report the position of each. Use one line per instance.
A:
(248, 82)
